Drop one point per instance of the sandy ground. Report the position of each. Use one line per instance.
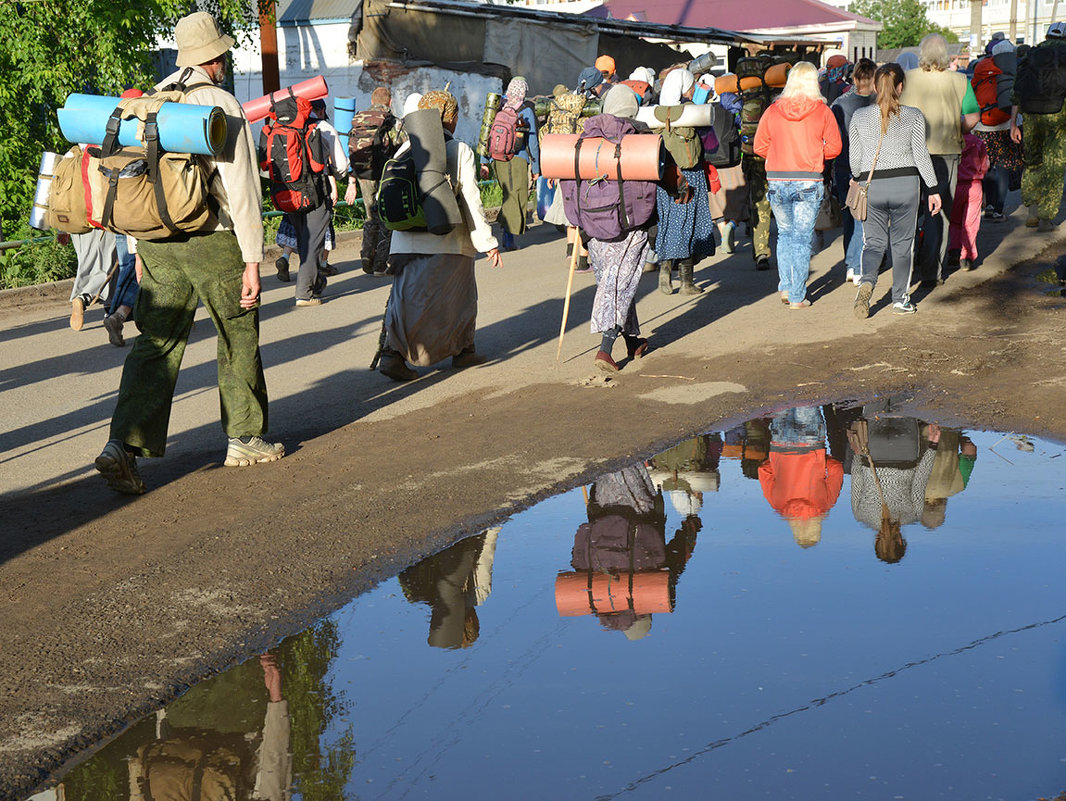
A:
(112, 606)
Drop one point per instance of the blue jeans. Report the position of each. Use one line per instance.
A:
(126, 284)
(795, 205)
(800, 425)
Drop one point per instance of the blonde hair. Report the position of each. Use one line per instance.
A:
(886, 80)
(802, 82)
(933, 53)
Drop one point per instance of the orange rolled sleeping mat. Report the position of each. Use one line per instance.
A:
(641, 157)
(775, 78)
(645, 593)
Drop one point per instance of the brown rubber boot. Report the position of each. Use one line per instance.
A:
(686, 268)
(665, 267)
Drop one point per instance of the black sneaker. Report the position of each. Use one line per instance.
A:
(282, 265)
(762, 263)
(119, 468)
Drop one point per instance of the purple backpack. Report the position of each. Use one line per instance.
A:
(607, 208)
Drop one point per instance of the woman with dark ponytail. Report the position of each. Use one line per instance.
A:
(887, 150)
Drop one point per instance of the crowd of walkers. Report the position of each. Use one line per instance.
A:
(919, 156)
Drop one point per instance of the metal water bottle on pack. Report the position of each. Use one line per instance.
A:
(45, 173)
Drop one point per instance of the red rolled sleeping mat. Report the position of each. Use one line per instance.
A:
(641, 158)
(604, 593)
(311, 89)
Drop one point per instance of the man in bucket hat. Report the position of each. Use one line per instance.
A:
(218, 267)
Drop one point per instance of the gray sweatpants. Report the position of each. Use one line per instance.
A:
(891, 216)
(311, 228)
(96, 254)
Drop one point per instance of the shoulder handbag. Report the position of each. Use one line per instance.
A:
(856, 199)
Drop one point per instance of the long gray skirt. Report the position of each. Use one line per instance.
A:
(618, 266)
(433, 307)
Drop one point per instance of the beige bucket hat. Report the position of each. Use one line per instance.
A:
(199, 39)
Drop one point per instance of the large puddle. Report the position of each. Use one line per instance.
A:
(756, 613)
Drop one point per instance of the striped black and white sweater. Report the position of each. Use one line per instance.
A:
(903, 151)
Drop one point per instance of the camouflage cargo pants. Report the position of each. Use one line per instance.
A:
(1045, 162)
(376, 237)
(177, 277)
(759, 204)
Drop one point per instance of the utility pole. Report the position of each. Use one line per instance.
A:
(268, 45)
(975, 27)
(1013, 35)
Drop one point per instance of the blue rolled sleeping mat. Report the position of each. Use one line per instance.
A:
(343, 111)
(426, 134)
(183, 127)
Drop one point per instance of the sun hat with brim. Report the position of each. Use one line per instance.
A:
(199, 40)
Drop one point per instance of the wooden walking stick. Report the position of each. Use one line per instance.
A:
(381, 336)
(569, 286)
(107, 282)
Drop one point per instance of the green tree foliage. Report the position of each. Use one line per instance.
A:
(320, 770)
(905, 22)
(54, 47)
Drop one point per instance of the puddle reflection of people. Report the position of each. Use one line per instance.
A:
(687, 471)
(453, 583)
(625, 571)
(950, 474)
(750, 443)
(799, 479)
(211, 765)
(890, 471)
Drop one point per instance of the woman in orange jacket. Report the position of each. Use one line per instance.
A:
(796, 136)
(799, 479)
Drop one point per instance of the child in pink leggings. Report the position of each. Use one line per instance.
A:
(966, 212)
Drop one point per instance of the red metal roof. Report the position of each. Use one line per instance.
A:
(728, 14)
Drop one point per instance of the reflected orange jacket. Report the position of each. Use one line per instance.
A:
(801, 485)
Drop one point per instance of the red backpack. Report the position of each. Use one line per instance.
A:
(503, 135)
(293, 154)
(985, 77)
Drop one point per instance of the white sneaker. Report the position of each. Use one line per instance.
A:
(255, 451)
(852, 278)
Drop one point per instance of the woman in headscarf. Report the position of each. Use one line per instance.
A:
(686, 229)
(618, 266)
(432, 309)
(513, 174)
(797, 135)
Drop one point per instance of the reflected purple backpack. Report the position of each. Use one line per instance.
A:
(607, 208)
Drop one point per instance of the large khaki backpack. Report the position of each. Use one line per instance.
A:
(192, 766)
(143, 191)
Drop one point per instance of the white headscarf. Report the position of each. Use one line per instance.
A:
(643, 74)
(675, 84)
(411, 103)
